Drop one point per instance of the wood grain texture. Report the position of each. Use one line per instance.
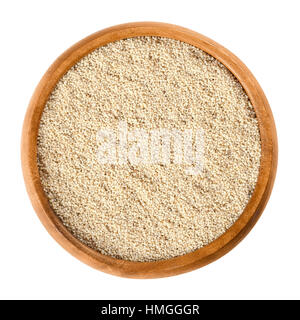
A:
(177, 265)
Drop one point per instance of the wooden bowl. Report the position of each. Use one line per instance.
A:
(180, 264)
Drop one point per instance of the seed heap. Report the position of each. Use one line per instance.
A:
(148, 212)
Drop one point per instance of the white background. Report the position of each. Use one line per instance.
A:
(264, 35)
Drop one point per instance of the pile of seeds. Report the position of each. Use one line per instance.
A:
(148, 212)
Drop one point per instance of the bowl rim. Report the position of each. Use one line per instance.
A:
(177, 265)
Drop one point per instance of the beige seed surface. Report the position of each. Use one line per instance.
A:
(148, 212)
